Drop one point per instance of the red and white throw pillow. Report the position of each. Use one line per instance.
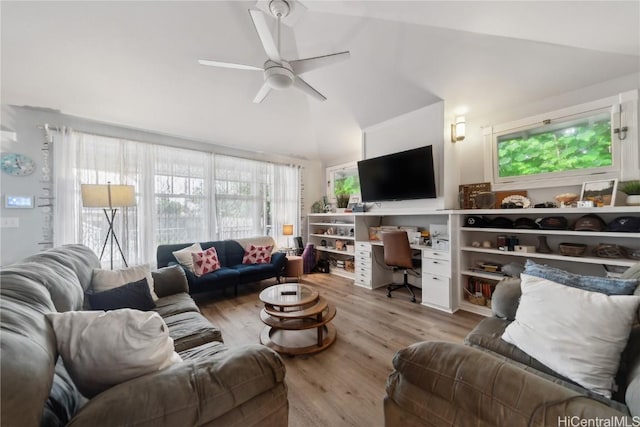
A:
(257, 255)
(205, 262)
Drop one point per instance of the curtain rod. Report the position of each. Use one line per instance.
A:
(58, 129)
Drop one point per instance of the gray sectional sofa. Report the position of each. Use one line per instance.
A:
(490, 382)
(233, 271)
(214, 385)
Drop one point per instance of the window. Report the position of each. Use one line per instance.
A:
(242, 197)
(577, 144)
(342, 180)
(565, 147)
(182, 195)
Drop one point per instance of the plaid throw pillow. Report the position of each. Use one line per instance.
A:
(205, 262)
(257, 255)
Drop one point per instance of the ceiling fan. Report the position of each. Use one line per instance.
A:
(278, 73)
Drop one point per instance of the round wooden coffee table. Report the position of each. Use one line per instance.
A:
(290, 312)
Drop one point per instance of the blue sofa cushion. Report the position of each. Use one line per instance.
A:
(235, 252)
(134, 295)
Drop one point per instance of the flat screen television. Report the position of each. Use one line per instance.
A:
(399, 176)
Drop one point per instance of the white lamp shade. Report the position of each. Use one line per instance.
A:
(460, 128)
(107, 196)
(287, 229)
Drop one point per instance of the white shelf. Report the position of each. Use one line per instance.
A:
(550, 232)
(342, 272)
(474, 308)
(545, 211)
(333, 236)
(585, 260)
(333, 224)
(483, 275)
(333, 250)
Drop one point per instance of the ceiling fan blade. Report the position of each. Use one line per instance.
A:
(228, 65)
(304, 86)
(300, 66)
(262, 93)
(265, 36)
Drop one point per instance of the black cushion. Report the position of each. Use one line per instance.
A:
(134, 295)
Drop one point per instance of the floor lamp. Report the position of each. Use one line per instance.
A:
(109, 198)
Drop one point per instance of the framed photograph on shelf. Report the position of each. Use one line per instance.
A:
(601, 193)
(354, 201)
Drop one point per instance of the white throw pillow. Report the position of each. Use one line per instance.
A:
(103, 280)
(577, 333)
(101, 349)
(184, 255)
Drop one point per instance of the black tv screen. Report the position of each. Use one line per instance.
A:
(398, 176)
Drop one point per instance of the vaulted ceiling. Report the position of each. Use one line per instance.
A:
(134, 63)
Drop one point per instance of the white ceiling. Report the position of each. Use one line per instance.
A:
(134, 63)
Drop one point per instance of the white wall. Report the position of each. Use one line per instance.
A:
(418, 128)
(471, 152)
(16, 243)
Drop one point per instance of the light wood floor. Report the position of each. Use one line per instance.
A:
(344, 385)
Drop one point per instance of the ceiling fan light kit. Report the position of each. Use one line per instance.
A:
(278, 73)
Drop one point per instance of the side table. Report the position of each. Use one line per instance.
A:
(293, 268)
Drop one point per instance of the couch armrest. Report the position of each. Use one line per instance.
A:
(459, 385)
(169, 281)
(506, 298)
(279, 259)
(192, 392)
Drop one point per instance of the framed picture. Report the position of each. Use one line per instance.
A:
(353, 202)
(601, 193)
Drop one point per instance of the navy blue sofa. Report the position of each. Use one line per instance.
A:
(232, 273)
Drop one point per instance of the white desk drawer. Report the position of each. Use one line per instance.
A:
(430, 253)
(436, 290)
(363, 254)
(363, 272)
(363, 246)
(361, 281)
(438, 267)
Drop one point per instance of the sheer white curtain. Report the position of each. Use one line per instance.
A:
(182, 195)
(285, 202)
(241, 191)
(66, 188)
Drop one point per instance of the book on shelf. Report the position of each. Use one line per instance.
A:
(479, 286)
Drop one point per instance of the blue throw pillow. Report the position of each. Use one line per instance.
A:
(603, 285)
(134, 295)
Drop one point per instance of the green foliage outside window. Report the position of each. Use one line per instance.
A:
(580, 146)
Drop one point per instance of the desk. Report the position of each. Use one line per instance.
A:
(435, 266)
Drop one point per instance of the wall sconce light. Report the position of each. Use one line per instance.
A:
(458, 129)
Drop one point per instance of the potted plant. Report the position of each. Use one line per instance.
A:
(632, 190)
(344, 188)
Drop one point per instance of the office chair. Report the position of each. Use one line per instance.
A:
(397, 254)
(299, 247)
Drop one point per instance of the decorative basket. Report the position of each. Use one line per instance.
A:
(572, 249)
(607, 250)
(475, 299)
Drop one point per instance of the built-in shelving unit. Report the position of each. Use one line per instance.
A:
(334, 227)
(370, 270)
(470, 255)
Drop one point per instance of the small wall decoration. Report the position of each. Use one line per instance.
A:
(354, 200)
(601, 193)
(468, 193)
